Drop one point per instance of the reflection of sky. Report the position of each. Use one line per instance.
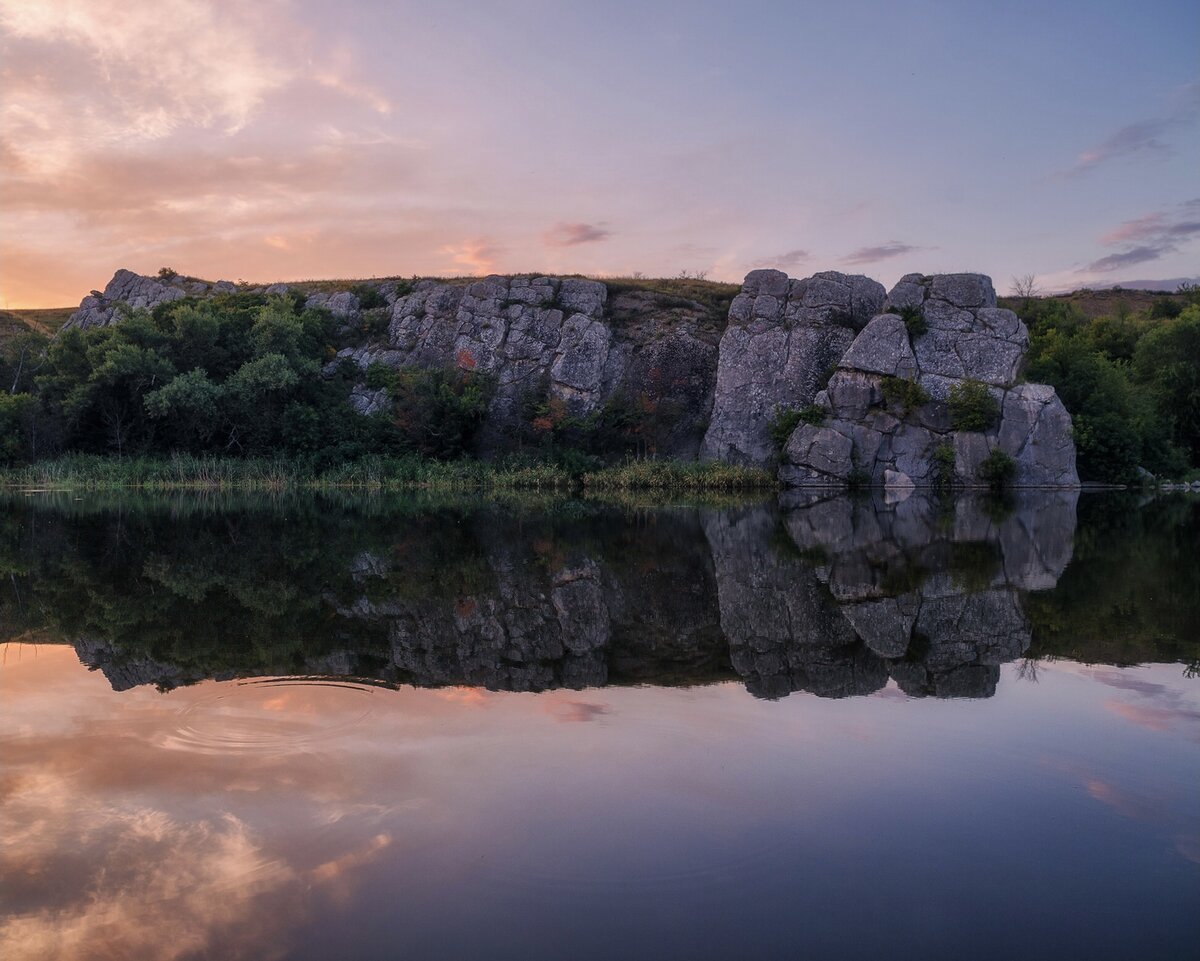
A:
(260, 820)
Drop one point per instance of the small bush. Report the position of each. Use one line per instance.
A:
(943, 465)
(913, 317)
(903, 395)
(997, 469)
(782, 426)
(858, 478)
(166, 274)
(369, 297)
(972, 407)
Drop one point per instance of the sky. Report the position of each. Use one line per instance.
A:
(293, 139)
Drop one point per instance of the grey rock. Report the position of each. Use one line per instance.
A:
(1035, 430)
(967, 338)
(125, 290)
(783, 337)
(882, 348)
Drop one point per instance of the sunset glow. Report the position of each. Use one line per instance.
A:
(289, 139)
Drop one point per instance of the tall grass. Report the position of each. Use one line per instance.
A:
(186, 472)
(668, 475)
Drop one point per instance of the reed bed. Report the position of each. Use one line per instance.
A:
(276, 474)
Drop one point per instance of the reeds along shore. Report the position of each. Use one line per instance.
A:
(84, 472)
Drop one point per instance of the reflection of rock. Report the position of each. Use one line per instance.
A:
(784, 631)
(830, 595)
(934, 590)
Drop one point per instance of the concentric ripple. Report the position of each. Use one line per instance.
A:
(271, 717)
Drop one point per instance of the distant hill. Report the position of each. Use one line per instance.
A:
(45, 321)
(1099, 302)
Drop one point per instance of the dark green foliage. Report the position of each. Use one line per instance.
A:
(972, 406)
(997, 469)
(438, 410)
(1131, 382)
(913, 317)
(782, 425)
(902, 395)
(943, 466)
(237, 374)
(786, 420)
(1167, 363)
(858, 478)
(369, 297)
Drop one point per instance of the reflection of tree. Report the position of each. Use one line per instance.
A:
(1027, 669)
(834, 597)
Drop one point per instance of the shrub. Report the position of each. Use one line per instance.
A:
(438, 410)
(903, 395)
(369, 297)
(943, 465)
(786, 420)
(997, 469)
(972, 406)
(914, 319)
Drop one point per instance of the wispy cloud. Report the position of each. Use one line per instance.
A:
(870, 255)
(786, 261)
(574, 234)
(478, 255)
(1147, 238)
(1142, 136)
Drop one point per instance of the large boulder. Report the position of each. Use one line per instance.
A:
(890, 420)
(783, 337)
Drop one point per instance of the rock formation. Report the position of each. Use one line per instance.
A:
(884, 369)
(128, 290)
(549, 339)
(893, 408)
(782, 338)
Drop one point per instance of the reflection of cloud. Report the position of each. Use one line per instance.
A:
(1169, 710)
(1156, 718)
(870, 255)
(140, 884)
(576, 711)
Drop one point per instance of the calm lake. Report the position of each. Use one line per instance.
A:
(382, 727)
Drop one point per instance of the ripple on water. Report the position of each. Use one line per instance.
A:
(270, 717)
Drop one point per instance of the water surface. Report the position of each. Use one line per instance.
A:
(315, 728)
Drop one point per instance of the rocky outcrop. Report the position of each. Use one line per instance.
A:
(782, 338)
(926, 395)
(882, 366)
(550, 340)
(130, 291)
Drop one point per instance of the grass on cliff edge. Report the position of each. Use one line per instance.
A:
(90, 472)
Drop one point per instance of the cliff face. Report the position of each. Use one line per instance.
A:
(558, 340)
(886, 370)
(931, 390)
